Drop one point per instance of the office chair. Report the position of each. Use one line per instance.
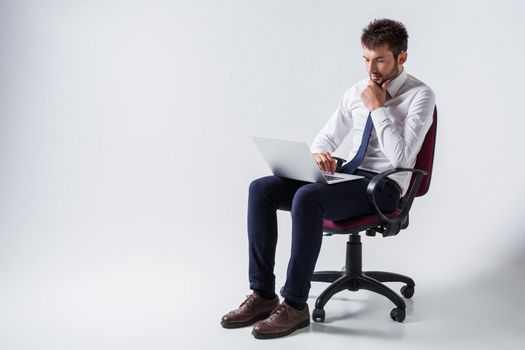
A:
(353, 278)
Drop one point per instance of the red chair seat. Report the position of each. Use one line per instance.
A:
(358, 223)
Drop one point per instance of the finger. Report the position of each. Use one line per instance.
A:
(385, 84)
(325, 165)
(321, 160)
(333, 165)
(325, 156)
(329, 164)
(320, 163)
(327, 161)
(373, 86)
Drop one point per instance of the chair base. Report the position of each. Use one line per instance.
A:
(354, 279)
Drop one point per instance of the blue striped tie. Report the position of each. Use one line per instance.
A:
(352, 165)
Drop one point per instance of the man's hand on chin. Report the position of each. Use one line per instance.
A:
(373, 96)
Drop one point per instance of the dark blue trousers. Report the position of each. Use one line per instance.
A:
(309, 203)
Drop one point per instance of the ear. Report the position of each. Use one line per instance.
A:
(402, 58)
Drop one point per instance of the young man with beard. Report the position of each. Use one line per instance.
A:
(390, 109)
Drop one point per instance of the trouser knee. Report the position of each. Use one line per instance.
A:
(259, 187)
(305, 198)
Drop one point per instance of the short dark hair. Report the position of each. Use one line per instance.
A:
(385, 31)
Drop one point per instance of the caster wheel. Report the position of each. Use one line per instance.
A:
(318, 315)
(407, 291)
(397, 314)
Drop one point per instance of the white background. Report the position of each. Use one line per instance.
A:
(126, 153)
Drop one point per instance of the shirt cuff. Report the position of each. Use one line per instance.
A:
(318, 150)
(379, 116)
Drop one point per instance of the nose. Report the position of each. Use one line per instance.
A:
(371, 67)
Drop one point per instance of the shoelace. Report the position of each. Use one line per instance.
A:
(280, 311)
(249, 300)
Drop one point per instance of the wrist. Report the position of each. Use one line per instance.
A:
(376, 106)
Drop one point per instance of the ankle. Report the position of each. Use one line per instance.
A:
(297, 306)
(264, 294)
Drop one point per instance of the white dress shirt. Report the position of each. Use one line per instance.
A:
(399, 127)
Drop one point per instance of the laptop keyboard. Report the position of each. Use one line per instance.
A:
(330, 177)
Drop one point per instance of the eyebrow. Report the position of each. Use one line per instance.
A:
(378, 57)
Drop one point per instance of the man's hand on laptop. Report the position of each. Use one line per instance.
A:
(325, 161)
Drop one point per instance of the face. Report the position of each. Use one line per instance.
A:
(381, 65)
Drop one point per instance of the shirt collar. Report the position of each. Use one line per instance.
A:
(395, 85)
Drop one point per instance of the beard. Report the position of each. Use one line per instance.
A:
(394, 73)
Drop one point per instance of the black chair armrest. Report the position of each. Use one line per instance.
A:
(406, 200)
(340, 162)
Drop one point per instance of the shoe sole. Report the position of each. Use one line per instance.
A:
(282, 334)
(231, 325)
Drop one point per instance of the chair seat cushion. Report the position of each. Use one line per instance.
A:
(357, 224)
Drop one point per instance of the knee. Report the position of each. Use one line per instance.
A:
(306, 196)
(257, 186)
(261, 187)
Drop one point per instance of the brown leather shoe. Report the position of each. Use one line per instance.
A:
(283, 321)
(253, 309)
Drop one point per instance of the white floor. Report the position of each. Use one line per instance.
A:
(130, 306)
(485, 314)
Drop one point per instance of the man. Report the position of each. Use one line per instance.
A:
(389, 113)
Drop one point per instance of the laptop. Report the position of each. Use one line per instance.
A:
(293, 160)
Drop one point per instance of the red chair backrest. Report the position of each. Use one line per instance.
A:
(425, 157)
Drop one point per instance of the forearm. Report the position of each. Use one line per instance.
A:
(401, 145)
